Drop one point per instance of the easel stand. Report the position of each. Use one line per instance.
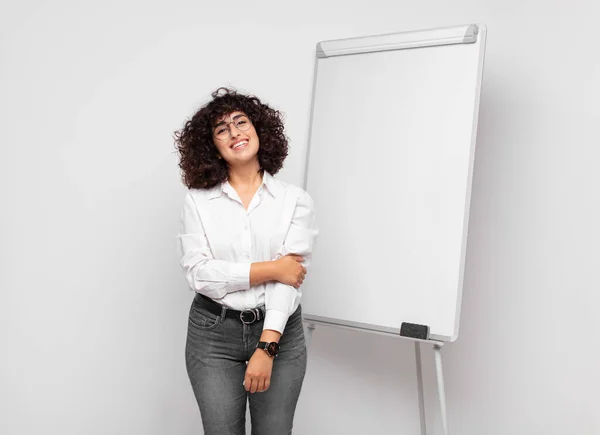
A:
(437, 347)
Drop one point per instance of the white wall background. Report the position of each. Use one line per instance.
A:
(93, 304)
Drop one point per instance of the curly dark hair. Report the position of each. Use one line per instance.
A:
(200, 166)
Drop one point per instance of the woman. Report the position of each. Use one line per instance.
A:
(246, 239)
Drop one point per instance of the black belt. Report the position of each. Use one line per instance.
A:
(247, 316)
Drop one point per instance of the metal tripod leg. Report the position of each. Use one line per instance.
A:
(420, 387)
(310, 328)
(440, 381)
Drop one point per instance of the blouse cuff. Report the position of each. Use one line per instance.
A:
(240, 276)
(275, 320)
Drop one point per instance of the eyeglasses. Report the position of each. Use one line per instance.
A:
(223, 131)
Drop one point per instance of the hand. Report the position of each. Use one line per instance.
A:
(291, 271)
(258, 372)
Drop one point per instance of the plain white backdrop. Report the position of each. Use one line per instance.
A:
(93, 304)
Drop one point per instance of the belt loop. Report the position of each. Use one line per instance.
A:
(223, 311)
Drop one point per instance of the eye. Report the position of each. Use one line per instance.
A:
(220, 130)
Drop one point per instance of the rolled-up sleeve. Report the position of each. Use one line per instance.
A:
(204, 274)
(280, 299)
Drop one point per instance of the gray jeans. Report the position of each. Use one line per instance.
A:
(216, 353)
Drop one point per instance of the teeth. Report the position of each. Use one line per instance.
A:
(240, 144)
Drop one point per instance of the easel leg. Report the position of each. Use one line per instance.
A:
(420, 387)
(308, 333)
(441, 391)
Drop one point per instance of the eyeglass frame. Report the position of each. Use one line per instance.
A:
(234, 123)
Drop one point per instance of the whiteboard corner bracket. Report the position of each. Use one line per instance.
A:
(471, 34)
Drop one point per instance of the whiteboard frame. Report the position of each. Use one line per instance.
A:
(464, 34)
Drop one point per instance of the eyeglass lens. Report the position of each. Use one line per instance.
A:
(223, 131)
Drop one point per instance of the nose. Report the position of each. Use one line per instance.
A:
(232, 127)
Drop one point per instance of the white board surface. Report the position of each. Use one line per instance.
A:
(390, 163)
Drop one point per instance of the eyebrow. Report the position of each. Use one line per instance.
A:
(233, 119)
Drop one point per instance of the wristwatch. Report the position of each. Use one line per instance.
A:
(272, 348)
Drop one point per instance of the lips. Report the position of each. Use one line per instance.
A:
(240, 144)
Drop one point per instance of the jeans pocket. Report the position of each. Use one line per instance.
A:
(203, 319)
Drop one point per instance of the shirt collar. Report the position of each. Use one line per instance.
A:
(215, 192)
(225, 187)
(271, 184)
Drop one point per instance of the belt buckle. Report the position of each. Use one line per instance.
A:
(253, 317)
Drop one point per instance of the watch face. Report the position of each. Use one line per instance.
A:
(273, 348)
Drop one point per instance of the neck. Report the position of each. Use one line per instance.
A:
(245, 177)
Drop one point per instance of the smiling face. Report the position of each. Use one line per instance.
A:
(236, 139)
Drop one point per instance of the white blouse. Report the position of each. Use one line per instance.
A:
(219, 239)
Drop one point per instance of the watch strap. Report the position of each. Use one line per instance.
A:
(272, 348)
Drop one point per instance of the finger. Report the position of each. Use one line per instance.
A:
(267, 383)
(247, 383)
(299, 259)
(304, 269)
(254, 386)
(261, 386)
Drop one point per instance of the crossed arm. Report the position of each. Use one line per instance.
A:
(286, 270)
(282, 276)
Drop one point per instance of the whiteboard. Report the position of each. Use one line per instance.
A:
(389, 167)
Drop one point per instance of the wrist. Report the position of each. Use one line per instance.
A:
(263, 271)
(270, 349)
(274, 272)
(270, 335)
